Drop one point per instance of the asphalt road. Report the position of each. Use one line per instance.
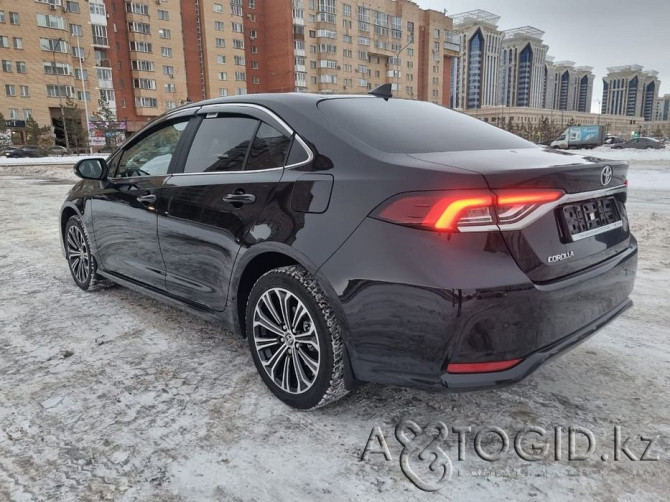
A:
(110, 395)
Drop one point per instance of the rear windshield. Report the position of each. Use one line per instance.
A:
(404, 126)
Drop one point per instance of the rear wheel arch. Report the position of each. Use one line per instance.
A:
(253, 270)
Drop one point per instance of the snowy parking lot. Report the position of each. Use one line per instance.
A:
(111, 395)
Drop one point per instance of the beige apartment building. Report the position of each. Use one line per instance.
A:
(144, 57)
(48, 54)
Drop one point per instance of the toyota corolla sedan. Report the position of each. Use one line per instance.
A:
(359, 239)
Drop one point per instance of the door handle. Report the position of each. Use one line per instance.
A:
(147, 199)
(239, 198)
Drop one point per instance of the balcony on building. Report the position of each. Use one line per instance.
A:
(452, 43)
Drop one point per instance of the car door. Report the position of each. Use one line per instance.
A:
(235, 161)
(124, 211)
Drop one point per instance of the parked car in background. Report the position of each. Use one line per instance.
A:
(56, 150)
(23, 151)
(359, 239)
(661, 140)
(640, 143)
(613, 140)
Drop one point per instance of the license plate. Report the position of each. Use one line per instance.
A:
(592, 217)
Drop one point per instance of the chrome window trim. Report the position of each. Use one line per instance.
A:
(221, 107)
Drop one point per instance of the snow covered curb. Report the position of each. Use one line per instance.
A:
(44, 161)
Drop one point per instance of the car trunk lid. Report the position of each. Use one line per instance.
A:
(585, 227)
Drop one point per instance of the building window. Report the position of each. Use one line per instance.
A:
(55, 22)
(80, 75)
(21, 67)
(75, 30)
(72, 6)
(163, 15)
(6, 66)
(223, 92)
(97, 9)
(144, 83)
(170, 105)
(236, 7)
(240, 75)
(100, 34)
(238, 44)
(219, 25)
(254, 49)
(166, 52)
(52, 68)
(54, 45)
(27, 113)
(78, 52)
(220, 43)
(240, 91)
(14, 114)
(239, 60)
(254, 65)
(238, 28)
(145, 102)
(60, 91)
(252, 4)
(168, 70)
(164, 33)
(14, 18)
(136, 27)
(140, 46)
(221, 59)
(218, 8)
(170, 88)
(2, 16)
(223, 75)
(141, 65)
(138, 8)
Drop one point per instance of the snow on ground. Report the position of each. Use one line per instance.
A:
(47, 161)
(111, 395)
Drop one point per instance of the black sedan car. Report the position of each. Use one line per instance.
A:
(23, 151)
(358, 239)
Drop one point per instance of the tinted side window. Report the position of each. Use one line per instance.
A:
(297, 155)
(151, 156)
(269, 149)
(221, 144)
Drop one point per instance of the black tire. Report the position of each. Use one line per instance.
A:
(317, 332)
(78, 254)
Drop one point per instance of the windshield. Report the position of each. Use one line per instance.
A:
(405, 126)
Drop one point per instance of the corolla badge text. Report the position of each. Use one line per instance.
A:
(560, 257)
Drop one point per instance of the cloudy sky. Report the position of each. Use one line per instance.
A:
(598, 33)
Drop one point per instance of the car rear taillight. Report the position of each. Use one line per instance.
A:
(464, 210)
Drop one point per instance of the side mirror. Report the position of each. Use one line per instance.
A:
(91, 169)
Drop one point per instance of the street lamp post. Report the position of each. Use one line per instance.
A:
(60, 99)
(397, 62)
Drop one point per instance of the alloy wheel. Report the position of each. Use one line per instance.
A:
(286, 340)
(78, 255)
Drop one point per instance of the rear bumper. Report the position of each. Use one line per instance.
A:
(479, 381)
(403, 326)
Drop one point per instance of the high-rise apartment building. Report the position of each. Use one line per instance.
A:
(474, 81)
(50, 52)
(522, 68)
(353, 46)
(144, 57)
(630, 91)
(548, 83)
(572, 86)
